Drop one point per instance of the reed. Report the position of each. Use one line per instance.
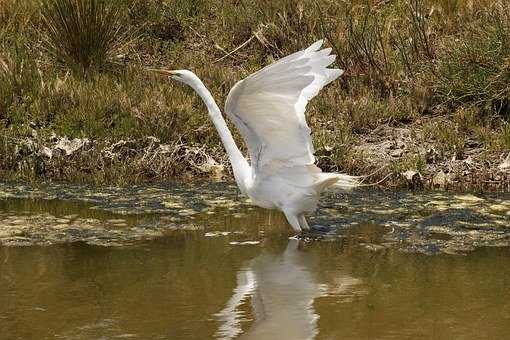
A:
(83, 34)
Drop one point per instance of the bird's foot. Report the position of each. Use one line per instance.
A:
(315, 233)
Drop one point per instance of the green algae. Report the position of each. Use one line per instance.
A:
(427, 222)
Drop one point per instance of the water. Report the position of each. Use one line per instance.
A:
(133, 270)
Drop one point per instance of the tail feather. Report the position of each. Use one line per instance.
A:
(337, 181)
(346, 182)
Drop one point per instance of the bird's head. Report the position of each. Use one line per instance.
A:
(190, 78)
(184, 76)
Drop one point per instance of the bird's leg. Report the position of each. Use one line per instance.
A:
(293, 221)
(314, 228)
(302, 222)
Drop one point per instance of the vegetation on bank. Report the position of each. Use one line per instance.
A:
(431, 76)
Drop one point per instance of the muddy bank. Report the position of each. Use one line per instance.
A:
(395, 157)
(39, 157)
(410, 158)
(426, 222)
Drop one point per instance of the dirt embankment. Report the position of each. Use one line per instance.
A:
(407, 159)
(106, 162)
(393, 157)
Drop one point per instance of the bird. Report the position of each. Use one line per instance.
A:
(268, 108)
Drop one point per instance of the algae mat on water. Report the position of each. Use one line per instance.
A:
(426, 222)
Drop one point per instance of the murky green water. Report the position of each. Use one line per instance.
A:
(201, 263)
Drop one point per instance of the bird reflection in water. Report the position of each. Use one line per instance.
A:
(280, 290)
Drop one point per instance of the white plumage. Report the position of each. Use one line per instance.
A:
(268, 108)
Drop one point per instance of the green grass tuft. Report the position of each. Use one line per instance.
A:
(474, 66)
(83, 34)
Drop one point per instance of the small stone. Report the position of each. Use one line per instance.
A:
(410, 174)
(413, 178)
(431, 156)
(46, 151)
(505, 165)
(396, 153)
(71, 146)
(441, 179)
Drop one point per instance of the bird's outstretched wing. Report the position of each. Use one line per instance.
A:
(268, 107)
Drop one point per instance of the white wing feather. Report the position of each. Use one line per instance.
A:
(268, 108)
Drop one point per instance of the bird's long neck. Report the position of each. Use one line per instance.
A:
(240, 166)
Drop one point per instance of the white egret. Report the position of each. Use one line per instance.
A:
(268, 108)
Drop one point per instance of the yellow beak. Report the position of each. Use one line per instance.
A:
(162, 72)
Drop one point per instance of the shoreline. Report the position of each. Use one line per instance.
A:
(389, 156)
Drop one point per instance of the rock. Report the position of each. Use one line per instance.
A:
(413, 178)
(71, 146)
(153, 139)
(472, 143)
(166, 148)
(441, 179)
(469, 161)
(217, 233)
(53, 137)
(62, 226)
(396, 153)
(410, 174)
(430, 155)
(505, 165)
(46, 151)
(18, 221)
(212, 167)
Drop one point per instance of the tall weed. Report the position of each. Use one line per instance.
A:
(474, 67)
(20, 86)
(83, 34)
